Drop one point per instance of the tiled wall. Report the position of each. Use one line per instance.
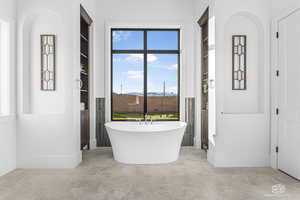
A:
(101, 134)
(188, 138)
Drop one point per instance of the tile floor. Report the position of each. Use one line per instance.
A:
(99, 177)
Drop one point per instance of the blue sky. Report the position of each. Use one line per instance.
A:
(128, 68)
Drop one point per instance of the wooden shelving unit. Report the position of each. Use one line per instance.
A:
(203, 22)
(85, 22)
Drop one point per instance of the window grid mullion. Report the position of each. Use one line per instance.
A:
(145, 74)
(127, 51)
(145, 52)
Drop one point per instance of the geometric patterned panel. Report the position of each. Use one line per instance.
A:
(239, 65)
(48, 62)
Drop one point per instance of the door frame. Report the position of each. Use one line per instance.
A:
(198, 72)
(275, 81)
(204, 19)
(92, 98)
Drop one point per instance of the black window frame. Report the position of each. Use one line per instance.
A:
(145, 51)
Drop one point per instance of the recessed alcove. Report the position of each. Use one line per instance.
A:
(251, 100)
(35, 100)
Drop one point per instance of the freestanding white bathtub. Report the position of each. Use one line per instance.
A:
(135, 143)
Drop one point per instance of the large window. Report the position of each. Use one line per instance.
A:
(145, 74)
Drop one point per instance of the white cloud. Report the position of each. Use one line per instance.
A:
(117, 59)
(172, 89)
(151, 58)
(120, 35)
(135, 74)
(151, 86)
(172, 67)
(134, 58)
(169, 67)
(137, 58)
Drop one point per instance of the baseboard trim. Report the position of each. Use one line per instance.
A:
(231, 163)
(93, 144)
(51, 161)
(6, 171)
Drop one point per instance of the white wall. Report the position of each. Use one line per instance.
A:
(243, 136)
(8, 123)
(7, 144)
(278, 7)
(250, 100)
(47, 138)
(51, 101)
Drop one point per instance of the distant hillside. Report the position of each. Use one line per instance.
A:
(151, 94)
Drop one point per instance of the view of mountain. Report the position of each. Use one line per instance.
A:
(153, 94)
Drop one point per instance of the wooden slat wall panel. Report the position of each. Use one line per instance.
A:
(203, 22)
(188, 138)
(101, 134)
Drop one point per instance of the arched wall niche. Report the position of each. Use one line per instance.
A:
(251, 100)
(34, 100)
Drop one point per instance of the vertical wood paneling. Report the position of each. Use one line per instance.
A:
(188, 138)
(101, 134)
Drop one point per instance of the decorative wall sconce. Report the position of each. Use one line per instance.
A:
(48, 55)
(239, 64)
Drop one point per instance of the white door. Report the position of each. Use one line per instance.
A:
(289, 95)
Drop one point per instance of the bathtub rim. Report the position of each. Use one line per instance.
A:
(181, 125)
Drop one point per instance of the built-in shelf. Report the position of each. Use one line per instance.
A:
(83, 37)
(85, 22)
(83, 55)
(84, 73)
(204, 78)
